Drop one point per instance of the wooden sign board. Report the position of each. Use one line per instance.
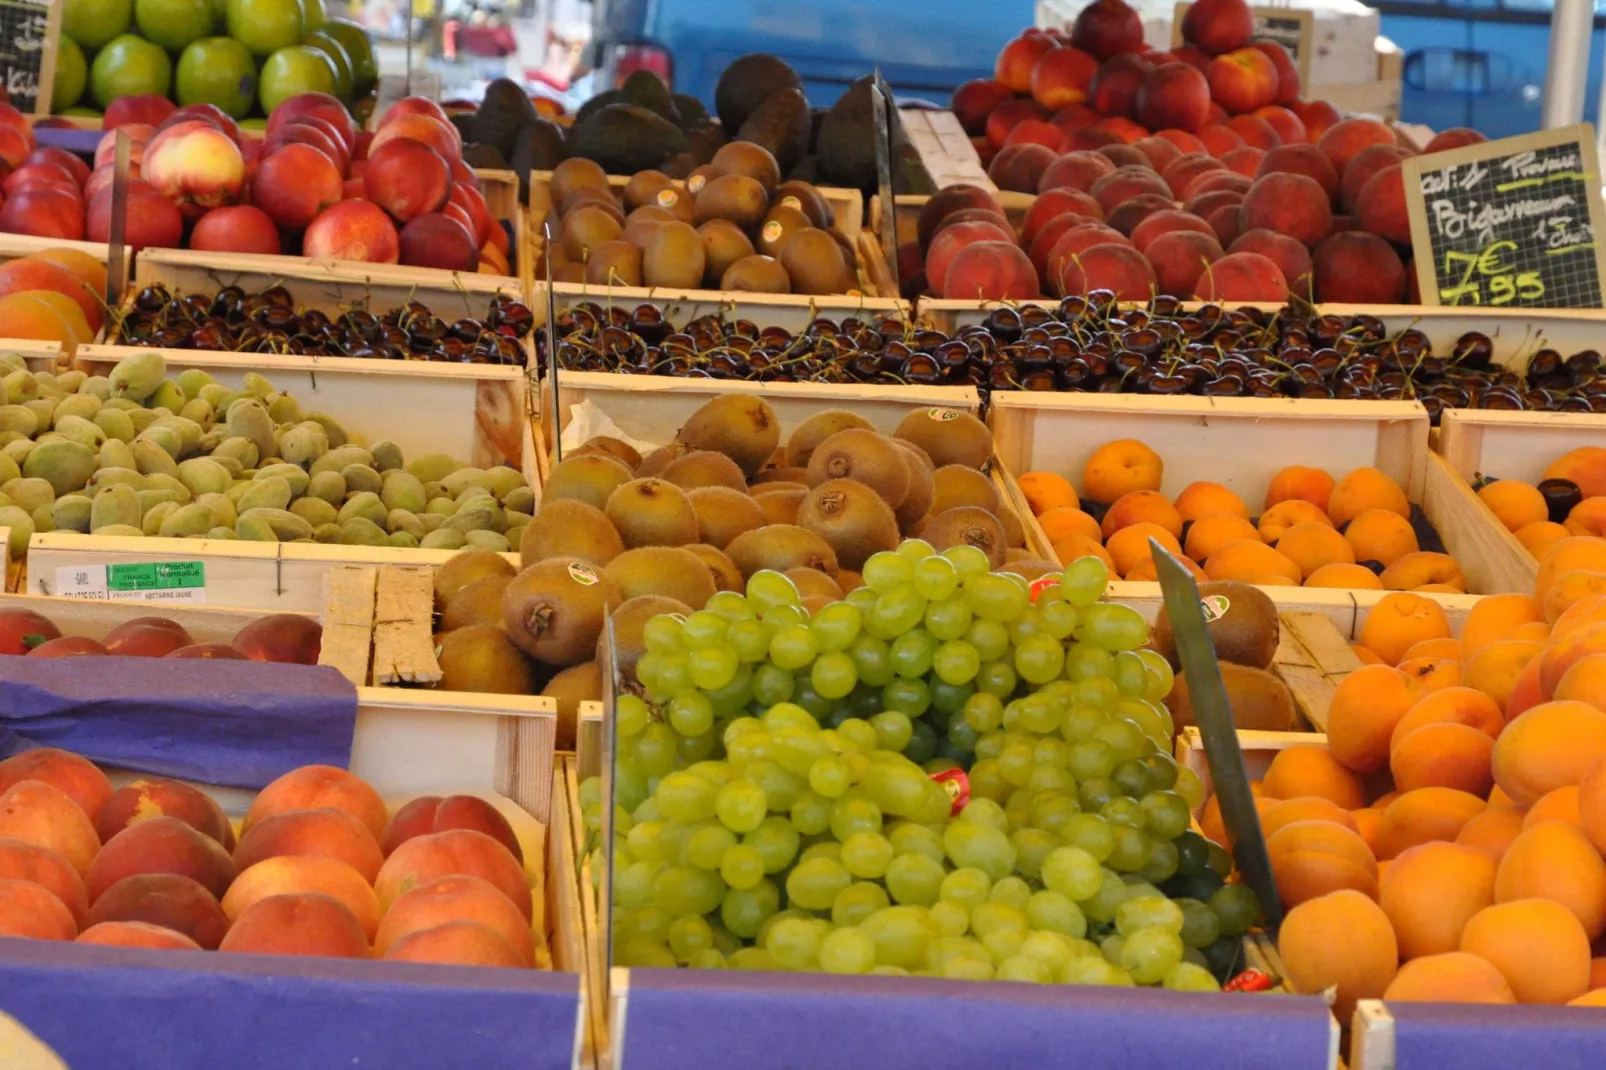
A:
(1511, 223)
(29, 32)
(1294, 30)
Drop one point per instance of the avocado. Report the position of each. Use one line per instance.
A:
(464, 122)
(539, 147)
(505, 111)
(847, 138)
(816, 120)
(598, 102)
(645, 90)
(625, 139)
(781, 124)
(483, 157)
(703, 142)
(807, 170)
(692, 112)
(748, 82)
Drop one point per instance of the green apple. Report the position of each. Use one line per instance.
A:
(218, 70)
(128, 66)
(326, 44)
(292, 70)
(173, 24)
(354, 39)
(92, 23)
(72, 72)
(265, 26)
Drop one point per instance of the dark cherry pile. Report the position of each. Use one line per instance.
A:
(268, 322)
(1088, 343)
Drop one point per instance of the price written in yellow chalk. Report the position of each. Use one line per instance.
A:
(1486, 280)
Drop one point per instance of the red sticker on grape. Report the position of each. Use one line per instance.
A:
(1215, 606)
(942, 414)
(582, 574)
(1043, 583)
(957, 785)
(1249, 981)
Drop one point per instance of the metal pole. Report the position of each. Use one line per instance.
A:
(1571, 25)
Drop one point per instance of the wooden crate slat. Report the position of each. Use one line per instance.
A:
(1492, 559)
(404, 609)
(348, 624)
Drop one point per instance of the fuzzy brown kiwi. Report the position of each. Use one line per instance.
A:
(572, 174)
(816, 429)
(751, 159)
(588, 227)
(780, 547)
(655, 462)
(780, 506)
(624, 451)
(852, 518)
(630, 620)
(781, 474)
(1028, 567)
(482, 658)
(864, 456)
(812, 583)
(1243, 625)
(643, 222)
(672, 256)
(954, 485)
(727, 577)
(741, 426)
(922, 489)
(1259, 701)
(724, 243)
(757, 274)
(478, 603)
(810, 200)
(815, 263)
(967, 526)
(644, 187)
(569, 528)
(463, 568)
(723, 514)
(614, 263)
(588, 478)
(948, 436)
(780, 224)
(652, 512)
(554, 609)
(704, 468)
(740, 199)
(668, 571)
(775, 486)
(574, 685)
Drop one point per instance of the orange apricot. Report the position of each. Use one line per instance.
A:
(1341, 941)
(1581, 614)
(1432, 674)
(1307, 769)
(1585, 466)
(1592, 803)
(1538, 945)
(1422, 815)
(1312, 858)
(1249, 560)
(1063, 521)
(1304, 808)
(1453, 977)
(1566, 651)
(1145, 571)
(1399, 621)
(1119, 467)
(1558, 805)
(1537, 539)
(1284, 515)
(1495, 617)
(1141, 507)
(1424, 569)
(1514, 503)
(1442, 649)
(1548, 746)
(1492, 831)
(1571, 588)
(1576, 553)
(1442, 756)
(1130, 546)
(1381, 536)
(1363, 489)
(1365, 707)
(1074, 546)
(1048, 490)
(1312, 545)
(1431, 891)
(1209, 533)
(1350, 577)
(1496, 667)
(1452, 705)
(1297, 482)
(1588, 517)
(1584, 681)
(1202, 499)
(1366, 820)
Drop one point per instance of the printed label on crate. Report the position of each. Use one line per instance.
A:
(163, 581)
(1509, 223)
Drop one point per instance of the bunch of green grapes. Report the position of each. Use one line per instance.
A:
(776, 807)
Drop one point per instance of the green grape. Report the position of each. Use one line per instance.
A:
(859, 733)
(892, 730)
(1237, 907)
(704, 627)
(772, 685)
(780, 785)
(1200, 925)
(710, 959)
(1018, 808)
(886, 570)
(741, 806)
(1015, 763)
(1220, 860)
(1193, 854)
(796, 749)
(630, 716)
(1131, 675)
(994, 598)
(1051, 911)
(1084, 580)
(1056, 619)
(686, 797)
(1027, 969)
(1149, 954)
(935, 577)
(753, 958)
(633, 887)
(1152, 719)
(858, 901)
(833, 675)
(750, 639)
(1052, 752)
(641, 953)
(818, 706)
(950, 919)
(916, 550)
(967, 887)
(742, 867)
(1110, 947)
(1190, 787)
(989, 638)
(1093, 793)
(794, 943)
(824, 849)
(847, 951)
(861, 598)
(1052, 811)
(911, 653)
(853, 813)
(1084, 661)
(914, 880)
(901, 935)
(1038, 713)
(690, 713)
(1072, 872)
(971, 843)
(1091, 759)
(867, 854)
(786, 617)
(1113, 626)
(1189, 977)
(1031, 847)
(649, 923)
(968, 560)
(1159, 861)
(969, 968)
(991, 917)
(1132, 778)
(1090, 833)
(872, 659)
(1161, 676)
(766, 588)
(735, 696)
(1124, 737)
(949, 698)
(732, 606)
(896, 611)
(1011, 890)
(706, 845)
(983, 711)
(1148, 912)
(1165, 814)
(662, 634)
(909, 838)
(1162, 771)
(986, 812)
(814, 883)
(996, 678)
(1100, 907)
(960, 734)
(1090, 970)
(1124, 811)
(687, 890)
(910, 697)
(792, 647)
(689, 935)
(673, 676)
(1097, 692)
(836, 626)
(828, 777)
(1131, 848)
(776, 842)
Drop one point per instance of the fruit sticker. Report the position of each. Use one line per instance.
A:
(582, 573)
(695, 183)
(957, 785)
(792, 202)
(772, 230)
(1249, 981)
(942, 415)
(1043, 583)
(1215, 606)
(668, 198)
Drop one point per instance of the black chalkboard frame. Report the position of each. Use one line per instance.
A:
(48, 46)
(1581, 134)
(1302, 50)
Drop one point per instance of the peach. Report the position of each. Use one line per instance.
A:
(40, 814)
(1075, 240)
(947, 243)
(1042, 246)
(443, 854)
(1242, 80)
(1380, 208)
(147, 798)
(294, 184)
(1256, 132)
(1584, 466)
(1302, 159)
(308, 133)
(1027, 153)
(1454, 138)
(455, 943)
(1118, 268)
(195, 165)
(30, 911)
(78, 777)
(1360, 170)
(313, 786)
(1166, 221)
(438, 241)
(1242, 277)
(453, 899)
(166, 899)
(304, 923)
(1179, 258)
(1291, 204)
(410, 106)
(1107, 28)
(44, 867)
(323, 832)
(1160, 150)
(1289, 128)
(136, 934)
(1224, 179)
(438, 134)
(1181, 172)
(1053, 203)
(974, 100)
(1125, 131)
(1074, 170)
(1345, 139)
(1117, 84)
(1127, 182)
(991, 271)
(1244, 161)
(1220, 139)
(353, 230)
(294, 874)
(159, 845)
(1173, 95)
(1126, 216)
(431, 813)
(1063, 76)
(1291, 258)
(958, 197)
(1007, 116)
(146, 637)
(1018, 58)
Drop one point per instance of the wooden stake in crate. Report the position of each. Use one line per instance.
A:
(348, 623)
(1312, 658)
(404, 645)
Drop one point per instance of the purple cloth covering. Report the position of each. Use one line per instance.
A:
(238, 724)
(707, 1019)
(1442, 1036)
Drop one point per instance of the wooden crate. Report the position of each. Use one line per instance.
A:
(1242, 443)
(945, 149)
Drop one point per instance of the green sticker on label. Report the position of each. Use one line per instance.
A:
(1215, 606)
(158, 576)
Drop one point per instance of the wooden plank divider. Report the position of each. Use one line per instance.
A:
(404, 610)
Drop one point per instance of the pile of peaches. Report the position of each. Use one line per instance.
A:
(1356, 532)
(320, 868)
(284, 638)
(1445, 843)
(1569, 500)
(1196, 172)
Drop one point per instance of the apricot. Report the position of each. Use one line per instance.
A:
(1548, 746)
(1341, 941)
(1400, 621)
(1538, 945)
(1305, 808)
(1576, 553)
(303, 923)
(444, 854)
(1492, 831)
(1453, 977)
(152, 797)
(1366, 706)
(1432, 674)
(1381, 535)
(1129, 547)
(1439, 649)
(1525, 692)
(1146, 572)
(1366, 656)
(1250, 561)
(1312, 858)
(1203, 499)
(1061, 522)
(1141, 507)
(1072, 547)
(1313, 545)
(1443, 756)
(1558, 805)
(166, 899)
(1048, 490)
(1120, 467)
(1596, 997)
(1213, 531)
(1422, 815)
(1284, 515)
(1588, 517)
(293, 874)
(1424, 569)
(1307, 769)
(37, 813)
(160, 845)
(1363, 489)
(1569, 589)
(324, 832)
(29, 910)
(1537, 539)
(78, 777)
(46, 868)
(1592, 803)
(314, 786)
(1352, 577)
(1585, 466)
(137, 934)
(1297, 482)
(456, 943)
(1584, 681)
(1494, 618)
(1496, 668)
(1431, 891)
(1452, 705)
(1579, 615)
(457, 898)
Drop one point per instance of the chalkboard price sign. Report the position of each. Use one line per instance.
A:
(1511, 222)
(29, 31)
(1294, 30)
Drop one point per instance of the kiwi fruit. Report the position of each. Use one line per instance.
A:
(807, 199)
(678, 203)
(948, 436)
(643, 221)
(655, 462)
(614, 263)
(807, 435)
(852, 518)
(741, 426)
(740, 199)
(644, 187)
(704, 468)
(780, 506)
(595, 197)
(782, 474)
(482, 658)
(663, 570)
(865, 456)
(554, 609)
(1028, 567)
(630, 621)
(815, 264)
(954, 485)
(478, 603)
(812, 583)
(727, 577)
(1259, 700)
(1242, 622)
(724, 243)
(573, 174)
(967, 526)
(922, 488)
(723, 514)
(751, 160)
(846, 245)
(586, 228)
(780, 224)
(588, 478)
(758, 275)
(574, 685)
(673, 256)
(774, 486)
(622, 450)
(463, 568)
(781, 547)
(652, 512)
(1014, 533)
(569, 528)
(569, 272)
(701, 176)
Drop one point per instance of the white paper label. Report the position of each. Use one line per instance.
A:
(165, 581)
